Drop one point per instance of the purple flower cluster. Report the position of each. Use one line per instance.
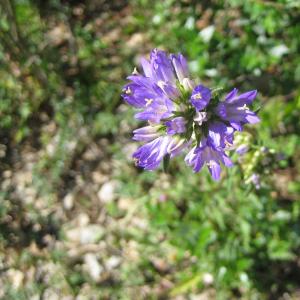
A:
(182, 115)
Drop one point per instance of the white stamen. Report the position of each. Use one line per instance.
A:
(210, 163)
(161, 84)
(201, 117)
(148, 101)
(128, 91)
(197, 96)
(135, 72)
(244, 107)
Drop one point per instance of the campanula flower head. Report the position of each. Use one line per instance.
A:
(182, 116)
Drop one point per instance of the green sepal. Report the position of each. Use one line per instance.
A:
(198, 134)
(215, 91)
(166, 162)
(256, 110)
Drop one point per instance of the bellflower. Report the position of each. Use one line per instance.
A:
(235, 110)
(183, 116)
(206, 154)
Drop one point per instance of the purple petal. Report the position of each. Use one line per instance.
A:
(162, 66)
(153, 115)
(235, 110)
(252, 118)
(215, 170)
(200, 97)
(180, 66)
(221, 110)
(146, 134)
(226, 160)
(176, 146)
(230, 96)
(146, 67)
(248, 97)
(169, 90)
(150, 155)
(204, 154)
(194, 160)
(217, 134)
(176, 125)
(236, 125)
(242, 99)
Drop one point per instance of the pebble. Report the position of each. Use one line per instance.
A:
(85, 235)
(16, 276)
(107, 192)
(113, 262)
(208, 279)
(68, 201)
(92, 265)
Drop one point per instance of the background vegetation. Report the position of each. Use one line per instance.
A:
(78, 220)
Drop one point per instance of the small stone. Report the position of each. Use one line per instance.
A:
(7, 174)
(2, 150)
(208, 279)
(98, 177)
(125, 203)
(131, 251)
(50, 294)
(83, 219)
(139, 223)
(113, 262)
(16, 277)
(107, 192)
(207, 33)
(160, 265)
(68, 201)
(59, 34)
(128, 150)
(93, 267)
(85, 235)
(279, 51)
(50, 148)
(136, 40)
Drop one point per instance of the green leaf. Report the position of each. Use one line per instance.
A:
(186, 286)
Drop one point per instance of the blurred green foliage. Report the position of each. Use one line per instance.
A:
(61, 77)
